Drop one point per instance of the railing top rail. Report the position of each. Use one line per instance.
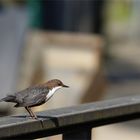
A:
(77, 117)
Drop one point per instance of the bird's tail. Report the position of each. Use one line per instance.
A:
(9, 98)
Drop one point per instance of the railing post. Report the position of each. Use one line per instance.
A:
(84, 134)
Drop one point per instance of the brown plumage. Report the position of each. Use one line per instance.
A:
(35, 95)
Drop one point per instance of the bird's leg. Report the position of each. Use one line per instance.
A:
(33, 114)
(29, 111)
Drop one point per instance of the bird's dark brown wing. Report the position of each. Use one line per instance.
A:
(31, 96)
(36, 100)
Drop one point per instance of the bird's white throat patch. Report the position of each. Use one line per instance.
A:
(51, 92)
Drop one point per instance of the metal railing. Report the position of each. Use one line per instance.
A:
(72, 122)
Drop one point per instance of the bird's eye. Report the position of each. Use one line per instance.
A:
(59, 84)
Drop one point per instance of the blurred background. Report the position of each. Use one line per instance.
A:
(91, 45)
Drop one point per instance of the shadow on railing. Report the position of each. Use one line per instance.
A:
(72, 122)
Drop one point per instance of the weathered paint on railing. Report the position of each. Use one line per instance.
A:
(73, 122)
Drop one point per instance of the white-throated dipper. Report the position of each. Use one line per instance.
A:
(35, 95)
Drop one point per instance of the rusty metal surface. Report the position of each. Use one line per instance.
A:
(64, 120)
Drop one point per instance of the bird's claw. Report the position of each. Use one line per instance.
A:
(32, 117)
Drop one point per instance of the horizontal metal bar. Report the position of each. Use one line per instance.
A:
(75, 134)
(64, 120)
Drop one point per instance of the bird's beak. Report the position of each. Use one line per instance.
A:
(65, 86)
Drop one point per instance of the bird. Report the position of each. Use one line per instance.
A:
(34, 96)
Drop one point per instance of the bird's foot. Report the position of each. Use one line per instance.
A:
(32, 117)
(36, 118)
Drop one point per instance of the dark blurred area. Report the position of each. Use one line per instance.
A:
(92, 45)
(63, 15)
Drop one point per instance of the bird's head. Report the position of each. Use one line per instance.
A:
(55, 83)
